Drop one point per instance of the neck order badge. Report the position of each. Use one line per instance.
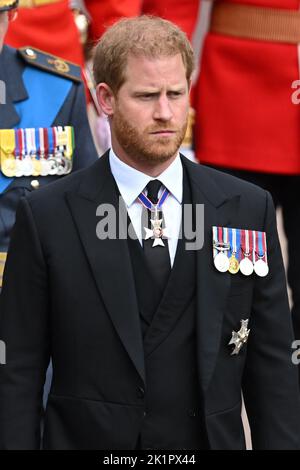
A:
(156, 232)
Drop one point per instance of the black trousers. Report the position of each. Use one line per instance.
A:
(285, 191)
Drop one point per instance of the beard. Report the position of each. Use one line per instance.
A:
(144, 146)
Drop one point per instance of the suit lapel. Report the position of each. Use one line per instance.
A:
(212, 286)
(109, 259)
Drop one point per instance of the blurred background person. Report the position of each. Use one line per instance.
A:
(48, 25)
(68, 29)
(38, 94)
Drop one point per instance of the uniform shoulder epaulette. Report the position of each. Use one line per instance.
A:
(50, 63)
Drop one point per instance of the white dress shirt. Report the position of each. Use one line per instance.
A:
(132, 182)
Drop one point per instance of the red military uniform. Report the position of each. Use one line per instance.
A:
(106, 12)
(245, 117)
(50, 27)
(183, 12)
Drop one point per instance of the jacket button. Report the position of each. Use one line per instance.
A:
(140, 392)
(35, 184)
(30, 53)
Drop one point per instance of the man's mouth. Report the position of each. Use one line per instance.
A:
(163, 132)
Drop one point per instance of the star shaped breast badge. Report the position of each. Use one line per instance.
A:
(239, 338)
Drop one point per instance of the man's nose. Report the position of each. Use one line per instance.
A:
(163, 110)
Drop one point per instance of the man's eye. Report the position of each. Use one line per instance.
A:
(147, 96)
(175, 94)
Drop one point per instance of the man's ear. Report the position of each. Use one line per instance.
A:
(106, 99)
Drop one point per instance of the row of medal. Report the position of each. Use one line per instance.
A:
(238, 250)
(36, 152)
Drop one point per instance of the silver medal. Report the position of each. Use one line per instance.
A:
(44, 167)
(18, 168)
(68, 167)
(246, 266)
(60, 162)
(52, 166)
(27, 166)
(261, 268)
(221, 262)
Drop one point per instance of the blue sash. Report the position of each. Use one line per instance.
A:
(47, 93)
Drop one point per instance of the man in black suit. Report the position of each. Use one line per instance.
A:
(138, 326)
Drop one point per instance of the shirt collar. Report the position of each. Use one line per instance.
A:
(131, 182)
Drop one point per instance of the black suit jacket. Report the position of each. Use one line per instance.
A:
(71, 296)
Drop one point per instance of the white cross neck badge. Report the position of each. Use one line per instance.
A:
(157, 232)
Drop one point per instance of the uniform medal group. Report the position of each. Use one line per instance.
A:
(238, 250)
(36, 152)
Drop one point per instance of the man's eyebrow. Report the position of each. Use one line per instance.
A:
(154, 91)
(146, 91)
